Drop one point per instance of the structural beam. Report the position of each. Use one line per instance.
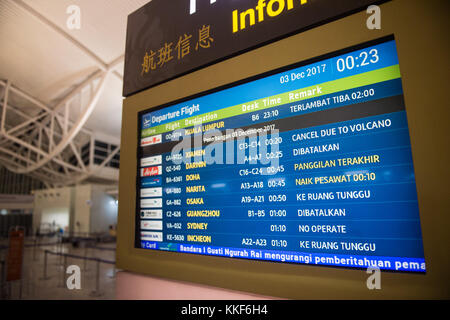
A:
(98, 61)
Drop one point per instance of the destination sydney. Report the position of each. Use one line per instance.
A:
(309, 165)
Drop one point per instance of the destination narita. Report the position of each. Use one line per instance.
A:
(199, 188)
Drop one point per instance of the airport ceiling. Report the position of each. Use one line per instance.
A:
(41, 56)
(61, 87)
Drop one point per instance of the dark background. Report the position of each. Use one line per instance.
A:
(161, 21)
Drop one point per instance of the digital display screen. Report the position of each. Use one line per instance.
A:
(309, 164)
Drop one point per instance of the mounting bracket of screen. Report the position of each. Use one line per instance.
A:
(308, 164)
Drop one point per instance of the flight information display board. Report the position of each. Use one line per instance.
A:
(308, 164)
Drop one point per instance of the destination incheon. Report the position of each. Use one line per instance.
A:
(198, 238)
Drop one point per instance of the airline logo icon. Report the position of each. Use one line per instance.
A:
(151, 214)
(151, 225)
(151, 192)
(150, 182)
(151, 140)
(151, 203)
(151, 161)
(151, 236)
(147, 122)
(151, 171)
